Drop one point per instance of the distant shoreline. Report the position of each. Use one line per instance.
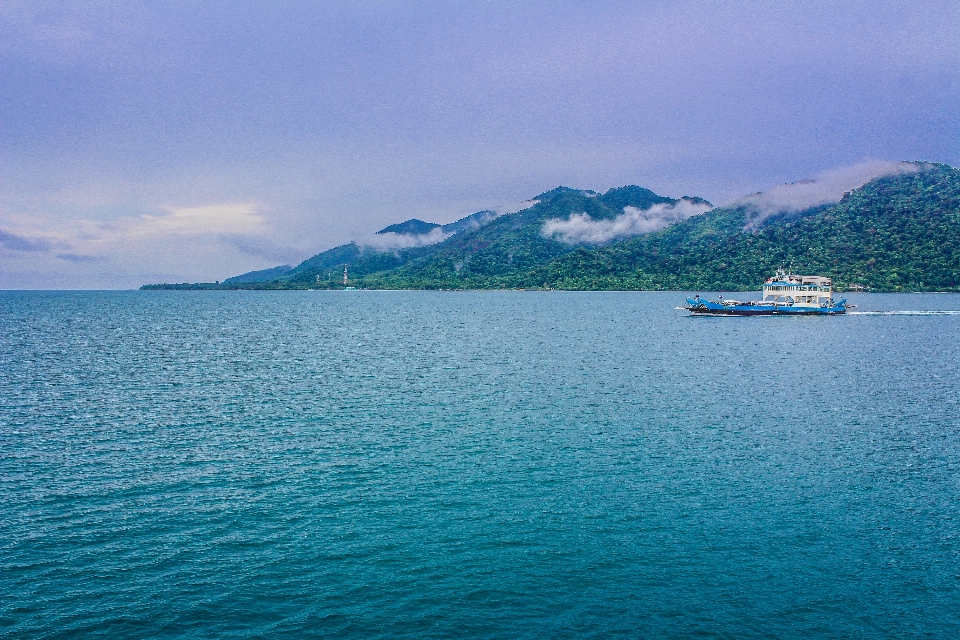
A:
(203, 286)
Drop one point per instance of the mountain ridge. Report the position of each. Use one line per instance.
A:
(900, 232)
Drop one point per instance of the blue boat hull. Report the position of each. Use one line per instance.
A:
(705, 307)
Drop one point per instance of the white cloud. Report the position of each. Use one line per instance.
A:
(582, 229)
(169, 245)
(389, 241)
(225, 218)
(826, 188)
(240, 217)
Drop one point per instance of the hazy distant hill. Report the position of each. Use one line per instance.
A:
(470, 222)
(894, 233)
(416, 227)
(259, 276)
(325, 262)
(364, 260)
(412, 227)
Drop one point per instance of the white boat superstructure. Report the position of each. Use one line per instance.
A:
(798, 291)
(783, 294)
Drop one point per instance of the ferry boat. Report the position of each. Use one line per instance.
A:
(783, 294)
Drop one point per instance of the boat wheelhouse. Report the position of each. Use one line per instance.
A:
(798, 291)
(783, 294)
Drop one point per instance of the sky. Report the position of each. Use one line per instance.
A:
(191, 141)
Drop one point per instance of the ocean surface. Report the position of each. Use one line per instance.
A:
(475, 465)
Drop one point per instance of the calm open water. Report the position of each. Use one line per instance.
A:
(491, 465)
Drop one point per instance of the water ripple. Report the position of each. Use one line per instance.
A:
(419, 464)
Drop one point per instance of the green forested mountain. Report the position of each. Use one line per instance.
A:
(483, 246)
(325, 269)
(512, 245)
(897, 233)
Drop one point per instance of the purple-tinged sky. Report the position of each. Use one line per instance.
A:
(191, 141)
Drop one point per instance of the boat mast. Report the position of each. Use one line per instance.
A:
(344, 275)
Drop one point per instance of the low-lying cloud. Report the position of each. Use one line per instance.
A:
(582, 229)
(391, 241)
(826, 188)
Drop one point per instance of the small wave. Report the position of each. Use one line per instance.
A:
(903, 313)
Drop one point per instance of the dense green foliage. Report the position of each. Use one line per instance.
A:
(899, 233)
(486, 247)
(325, 262)
(510, 246)
(894, 234)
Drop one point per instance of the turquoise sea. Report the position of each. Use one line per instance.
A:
(475, 465)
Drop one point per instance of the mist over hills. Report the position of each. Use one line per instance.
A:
(416, 227)
(897, 232)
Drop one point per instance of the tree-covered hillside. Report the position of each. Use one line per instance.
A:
(484, 247)
(898, 233)
(511, 246)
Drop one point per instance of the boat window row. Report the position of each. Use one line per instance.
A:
(795, 287)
